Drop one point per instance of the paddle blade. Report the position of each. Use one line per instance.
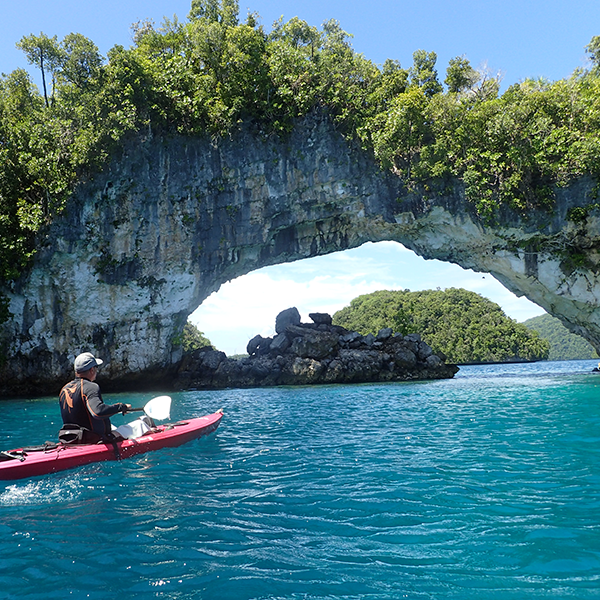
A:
(159, 408)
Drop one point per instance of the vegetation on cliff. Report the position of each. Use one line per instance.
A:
(462, 325)
(194, 339)
(212, 72)
(564, 345)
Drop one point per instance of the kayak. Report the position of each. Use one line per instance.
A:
(31, 462)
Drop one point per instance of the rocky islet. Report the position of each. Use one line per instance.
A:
(314, 353)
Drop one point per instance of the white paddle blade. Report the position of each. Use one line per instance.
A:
(159, 408)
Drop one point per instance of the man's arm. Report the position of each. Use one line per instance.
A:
(96, 405)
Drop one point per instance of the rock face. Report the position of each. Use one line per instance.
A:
(311, 353)
(143, 243)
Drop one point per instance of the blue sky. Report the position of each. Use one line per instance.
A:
(519, 39)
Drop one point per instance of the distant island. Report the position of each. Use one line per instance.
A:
(372, 312)
(461, 325)
(564, 345)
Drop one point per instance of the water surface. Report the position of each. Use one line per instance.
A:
(484, 486)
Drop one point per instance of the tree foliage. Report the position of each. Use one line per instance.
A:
(460, 75)
(593, 49)
(564, 345)
(423, 73)
(463, 325)
(45, 53)
(208, 75)
(193, 338)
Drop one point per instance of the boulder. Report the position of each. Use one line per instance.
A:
(385, 334)
(213, 358)
(307, 370)
(314, 344)
(368, 340)
(433, 361)
(289, 316)
(321, 318)
(280, 343)
(404, 358)
(349, 337)
(424, 350)
(254, 345)
(413, 337)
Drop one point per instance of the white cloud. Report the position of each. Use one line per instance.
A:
(249, 305)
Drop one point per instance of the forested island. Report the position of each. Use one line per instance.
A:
(460, 325)
(564, 345)
(457, 316)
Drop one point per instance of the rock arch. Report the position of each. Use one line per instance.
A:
(172, 218)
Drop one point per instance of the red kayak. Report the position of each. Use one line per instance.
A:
(30, 462)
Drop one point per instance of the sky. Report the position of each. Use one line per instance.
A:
(518, 39)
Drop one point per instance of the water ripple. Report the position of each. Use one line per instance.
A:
(486, 486)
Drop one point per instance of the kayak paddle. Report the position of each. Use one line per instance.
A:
(158, 408)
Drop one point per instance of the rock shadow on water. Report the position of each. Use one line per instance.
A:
(315, 353)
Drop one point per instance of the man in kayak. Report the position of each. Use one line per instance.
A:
(81, 401)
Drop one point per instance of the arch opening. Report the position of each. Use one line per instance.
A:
(248, 305)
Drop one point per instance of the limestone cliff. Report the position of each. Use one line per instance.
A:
(170, 219)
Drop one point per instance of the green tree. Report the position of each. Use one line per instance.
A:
(424, 74)
(394, 80)
(193, 338)
(298, 34)
(390, 82)
(142, 29)
(29, 180)
(460, 75)
(80, 60)
(344, 77)
(217, 11)
(399, 133)
(292, 49)
(593, 49)
(45, 53)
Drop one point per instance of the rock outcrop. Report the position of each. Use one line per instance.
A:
(315, 353)
(171, 219)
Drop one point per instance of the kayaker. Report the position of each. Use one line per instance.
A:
(81, 401)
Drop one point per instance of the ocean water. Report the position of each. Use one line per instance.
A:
(486, 486)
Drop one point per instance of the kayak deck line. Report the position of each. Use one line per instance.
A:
(19, 464)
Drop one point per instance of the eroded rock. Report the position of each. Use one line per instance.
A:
(313, 353)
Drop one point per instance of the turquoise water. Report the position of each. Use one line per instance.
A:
(482, 487)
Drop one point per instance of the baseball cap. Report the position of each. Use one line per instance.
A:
(84, 362)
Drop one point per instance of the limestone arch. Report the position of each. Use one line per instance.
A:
(172, 218)
(327, 284)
